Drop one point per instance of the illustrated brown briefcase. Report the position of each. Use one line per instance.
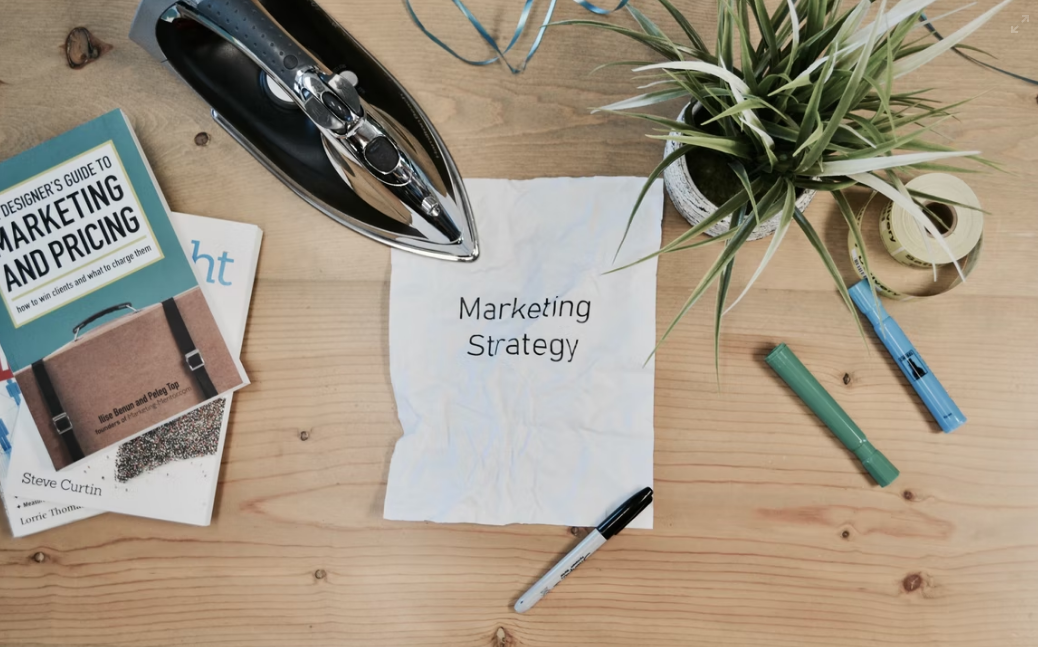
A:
(127, 375)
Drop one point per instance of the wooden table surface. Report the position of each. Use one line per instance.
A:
(767, 531)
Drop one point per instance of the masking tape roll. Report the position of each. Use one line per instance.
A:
(967, 261)
(908, 242)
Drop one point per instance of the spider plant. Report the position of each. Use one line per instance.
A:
(809, 104)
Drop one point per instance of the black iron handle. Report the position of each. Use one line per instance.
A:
(260, 34)
(97, 315)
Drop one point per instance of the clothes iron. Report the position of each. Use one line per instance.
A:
(302, 95)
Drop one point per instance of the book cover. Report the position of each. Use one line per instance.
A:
(26, 516)
(171, 472)
(104, 324)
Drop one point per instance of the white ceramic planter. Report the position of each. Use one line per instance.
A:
(694, 206)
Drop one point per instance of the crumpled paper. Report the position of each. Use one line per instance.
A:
(521, 379)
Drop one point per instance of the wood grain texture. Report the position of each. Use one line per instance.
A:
(767, 531)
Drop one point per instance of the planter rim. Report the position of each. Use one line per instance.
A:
(694, 206)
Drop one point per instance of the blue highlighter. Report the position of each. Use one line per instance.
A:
(918, 374)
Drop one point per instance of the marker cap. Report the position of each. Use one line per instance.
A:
(626, 513)
(796, 375)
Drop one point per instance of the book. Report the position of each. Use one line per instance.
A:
(105, 326)
(26, 516)
(142, 476)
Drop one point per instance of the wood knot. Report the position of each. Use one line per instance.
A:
(579, 532)
(908, 496)
(503, 639)
(912, 582)
(845, 534)
(846, 379)
(83, 48)
(320, 574)
(201, 139)
(304, 435)
(39, 557)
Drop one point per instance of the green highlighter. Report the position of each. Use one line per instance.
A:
(789, 368)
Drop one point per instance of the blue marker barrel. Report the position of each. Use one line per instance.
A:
(908, 359)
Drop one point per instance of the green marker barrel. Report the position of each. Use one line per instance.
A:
(790, 369)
